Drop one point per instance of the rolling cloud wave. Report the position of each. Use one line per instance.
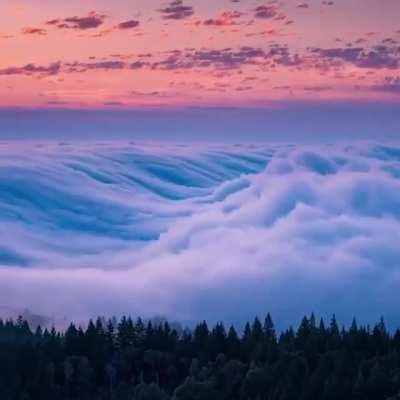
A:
(204, 232)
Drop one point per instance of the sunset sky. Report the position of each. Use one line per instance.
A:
(150, 54)
(188, 151)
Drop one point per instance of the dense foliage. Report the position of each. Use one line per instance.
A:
(147, 361)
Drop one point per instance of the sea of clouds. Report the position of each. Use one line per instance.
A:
(193, 232)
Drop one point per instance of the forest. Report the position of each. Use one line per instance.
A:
(130, 359)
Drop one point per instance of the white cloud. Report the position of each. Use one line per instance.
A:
(317, 229)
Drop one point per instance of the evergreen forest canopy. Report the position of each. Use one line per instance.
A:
(137, 360)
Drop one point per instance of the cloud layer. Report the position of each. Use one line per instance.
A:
(219, 232)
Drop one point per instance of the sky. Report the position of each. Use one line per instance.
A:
(329, 60)
(246, 75)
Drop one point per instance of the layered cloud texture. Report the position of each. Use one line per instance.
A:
(201, 232)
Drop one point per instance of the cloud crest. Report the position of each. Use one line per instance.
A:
(219, 233)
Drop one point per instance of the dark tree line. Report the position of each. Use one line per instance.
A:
(133, 360)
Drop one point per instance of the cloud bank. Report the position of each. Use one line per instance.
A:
(201, 232)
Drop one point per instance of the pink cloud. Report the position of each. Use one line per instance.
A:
(34, 31)
(91, 21)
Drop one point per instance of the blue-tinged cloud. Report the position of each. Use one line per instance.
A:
(202, 232)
